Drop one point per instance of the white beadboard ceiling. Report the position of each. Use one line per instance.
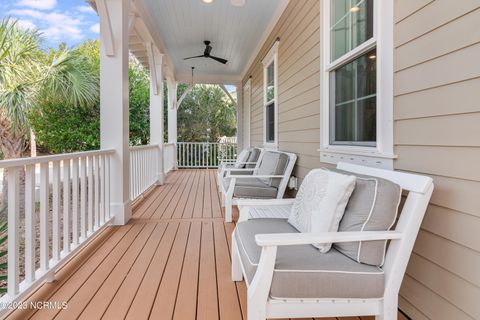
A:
(235, 33)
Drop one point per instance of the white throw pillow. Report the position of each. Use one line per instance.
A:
(320, 203)
(242, 158)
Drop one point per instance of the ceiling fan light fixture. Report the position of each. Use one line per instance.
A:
(207, 1)
(237, 3)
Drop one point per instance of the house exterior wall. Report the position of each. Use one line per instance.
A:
(436, 132)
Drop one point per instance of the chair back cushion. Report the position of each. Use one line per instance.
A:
(273, 163)
(321, 202)
(373, 206)
(242, 158)
(253, 157)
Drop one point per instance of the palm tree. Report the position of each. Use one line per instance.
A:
(29, 76)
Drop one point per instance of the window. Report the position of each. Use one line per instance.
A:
(270, 97)
(357, 76)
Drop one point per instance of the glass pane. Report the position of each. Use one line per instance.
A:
(271, 82)
(340, 44)
(367, 119)
(351, 25)
(344, 83)
(339, 10)
(345, 122)
(270, 122)
(367, 74)
(354, 101)
(362, 23)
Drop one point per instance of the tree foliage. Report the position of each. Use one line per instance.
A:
(206, 114)
(61, 126)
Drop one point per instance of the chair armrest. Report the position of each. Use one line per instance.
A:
(253, 176)
(239, 169)
(264, 202)
(288, 239)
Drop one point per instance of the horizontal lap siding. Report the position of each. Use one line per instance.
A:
(437, 132)
(299, 84)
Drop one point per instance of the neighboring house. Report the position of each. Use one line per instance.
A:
(435, 117)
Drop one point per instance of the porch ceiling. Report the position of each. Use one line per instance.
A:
(235, 32)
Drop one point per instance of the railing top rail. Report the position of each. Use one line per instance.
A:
(56, 157)
(143, 147)
(170, 144)
(205, 142)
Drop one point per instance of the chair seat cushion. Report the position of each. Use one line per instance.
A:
(301, 273)
(251, 188)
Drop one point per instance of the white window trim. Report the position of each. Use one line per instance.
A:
(272, 56)
(382, 154)
(247, 107)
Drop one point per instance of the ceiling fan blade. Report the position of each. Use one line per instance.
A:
(219, 59)
(201, 56)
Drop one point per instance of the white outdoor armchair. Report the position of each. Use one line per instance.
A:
(288, 278)
(246, 162)
(268, 180)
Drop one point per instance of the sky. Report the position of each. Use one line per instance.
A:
(69, 21)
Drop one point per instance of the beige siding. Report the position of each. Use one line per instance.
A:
(299, 84)
(437, 132)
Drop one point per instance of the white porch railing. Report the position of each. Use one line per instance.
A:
(143, 168)
(204, 154)
(77, 187)
(169, 157)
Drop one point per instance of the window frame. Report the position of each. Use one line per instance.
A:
(380, 153)
(270, 57)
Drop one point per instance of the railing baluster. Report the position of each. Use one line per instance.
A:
(83, 198)
(107, 187)
(96, 194)
(75, 202)
(66, 206)
(56, 211)
(102, 189)
(90, 194)
(30, 223)
(13, 237)
(44, 211)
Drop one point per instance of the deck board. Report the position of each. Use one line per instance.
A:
(172, 261)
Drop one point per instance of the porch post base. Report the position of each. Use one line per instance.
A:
(160, 179)
(122, 213)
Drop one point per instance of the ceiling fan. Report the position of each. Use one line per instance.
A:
(206, 54)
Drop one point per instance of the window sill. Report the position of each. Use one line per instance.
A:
(358, 155)
(270, 145)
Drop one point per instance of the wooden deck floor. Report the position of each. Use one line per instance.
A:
(172, 261)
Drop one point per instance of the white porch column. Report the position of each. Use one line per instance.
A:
(172, 110)
(114, 129)
(156, 106)
(240, 118)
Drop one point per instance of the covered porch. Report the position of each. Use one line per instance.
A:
(171, 261)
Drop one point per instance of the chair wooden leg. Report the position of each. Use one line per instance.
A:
(389, 309)
(228, 210)
(237, 274)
